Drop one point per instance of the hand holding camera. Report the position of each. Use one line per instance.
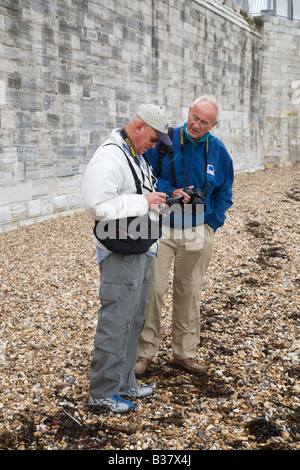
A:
(196, 195)
(171, 201)
(190, 195)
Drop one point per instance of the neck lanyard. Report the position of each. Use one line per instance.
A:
(128, 142)
(182, 152)
(133, 153)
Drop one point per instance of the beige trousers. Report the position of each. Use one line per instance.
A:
(191, 250)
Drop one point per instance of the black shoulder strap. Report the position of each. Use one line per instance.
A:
(163, 150)
(138, 184)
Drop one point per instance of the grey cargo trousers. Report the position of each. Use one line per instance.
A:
(124, 286)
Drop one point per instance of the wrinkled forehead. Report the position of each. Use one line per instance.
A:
(204, 109)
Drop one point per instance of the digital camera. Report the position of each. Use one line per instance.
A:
(196, 195)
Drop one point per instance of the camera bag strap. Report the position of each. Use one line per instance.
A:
(137, 181)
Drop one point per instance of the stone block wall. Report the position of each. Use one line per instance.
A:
(280, 91)
(71, 71)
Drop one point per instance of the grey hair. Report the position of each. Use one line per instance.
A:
(135, 118)
(211, 99)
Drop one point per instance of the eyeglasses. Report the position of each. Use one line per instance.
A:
(153, 139)
(196, 120)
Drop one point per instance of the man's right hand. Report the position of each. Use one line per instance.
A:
(180, 192)
(155, 200)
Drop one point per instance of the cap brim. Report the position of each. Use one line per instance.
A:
(164, 138)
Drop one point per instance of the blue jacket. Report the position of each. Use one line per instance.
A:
(219, 175)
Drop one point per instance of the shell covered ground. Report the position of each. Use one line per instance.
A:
(250, 341)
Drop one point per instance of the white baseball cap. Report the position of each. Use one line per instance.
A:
(155, 116)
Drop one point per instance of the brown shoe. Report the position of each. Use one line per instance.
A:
(141, 366)
(191, 365)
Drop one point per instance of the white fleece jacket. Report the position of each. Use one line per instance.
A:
(108, 186)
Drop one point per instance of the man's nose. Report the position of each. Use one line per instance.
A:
(198, 124)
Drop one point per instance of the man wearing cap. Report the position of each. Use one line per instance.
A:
(109, 192)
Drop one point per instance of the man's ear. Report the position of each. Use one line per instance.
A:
(139, 126)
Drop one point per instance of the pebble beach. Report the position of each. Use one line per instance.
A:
(250, 337)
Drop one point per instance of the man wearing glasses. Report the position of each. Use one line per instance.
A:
(110, 193)
(199, 169)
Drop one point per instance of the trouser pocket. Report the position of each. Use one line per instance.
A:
(117, 307)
